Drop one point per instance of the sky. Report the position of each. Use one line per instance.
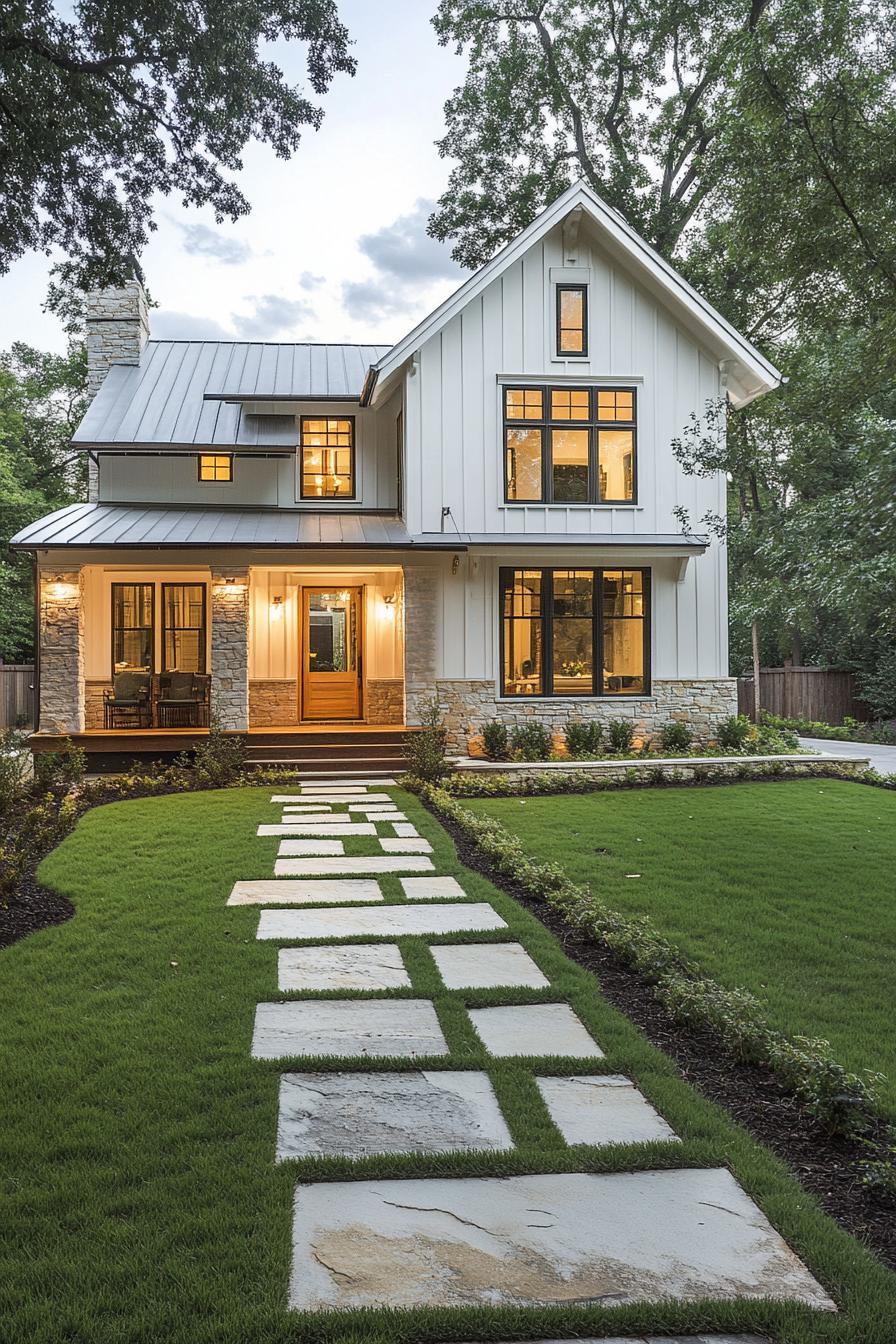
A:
(335, 248)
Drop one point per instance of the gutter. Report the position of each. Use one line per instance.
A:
(370, 383)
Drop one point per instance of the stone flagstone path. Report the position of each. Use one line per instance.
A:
(532, 1240)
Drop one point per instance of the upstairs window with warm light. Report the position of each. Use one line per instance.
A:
(572, 320)
(328, 457)
(216, 466)
(569, 445)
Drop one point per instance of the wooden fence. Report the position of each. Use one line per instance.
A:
(16, 695)
(804, 693)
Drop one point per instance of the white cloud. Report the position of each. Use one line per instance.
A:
(167, 324)
(201, 241)
(407, 264)
(272, 315)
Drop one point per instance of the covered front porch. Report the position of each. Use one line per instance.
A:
(140, 656)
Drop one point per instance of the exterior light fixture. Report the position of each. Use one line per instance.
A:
(277, 608)
(389, 605)
(59, 587)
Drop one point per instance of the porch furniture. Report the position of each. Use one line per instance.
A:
(182, 700)
(128, 704)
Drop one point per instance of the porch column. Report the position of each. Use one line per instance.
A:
(61, 635)
(421, 591)
(230, 648)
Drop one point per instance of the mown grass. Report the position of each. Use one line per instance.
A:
(140, 1197)
(785, 888)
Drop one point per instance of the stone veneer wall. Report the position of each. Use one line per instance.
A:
(273, 703)
(117, 322)
(61, 652)
(384, 700)
(230, 649)
(93, 703)
(468, 705)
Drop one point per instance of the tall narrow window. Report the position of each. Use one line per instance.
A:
(216, 466)
(522, 634)
(328, 457)
(132, 627)
(572, 319)
(623, 635)
(616, 446)
(183, 627)
(582, 632)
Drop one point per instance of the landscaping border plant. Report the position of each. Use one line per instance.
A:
(838, 1103)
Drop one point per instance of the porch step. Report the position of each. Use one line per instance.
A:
(374, 751)
(354, 765)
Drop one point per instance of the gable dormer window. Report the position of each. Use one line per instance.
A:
(569, 445)
(328, 457)
(572, 320)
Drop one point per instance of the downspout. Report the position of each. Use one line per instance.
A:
(36, 679)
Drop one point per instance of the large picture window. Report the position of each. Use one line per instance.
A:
(183, 627)
(569, 445)
(328, 457)
(133, 627)
(575, 632)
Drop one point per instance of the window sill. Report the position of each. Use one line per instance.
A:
(572, 699)
(597, 508)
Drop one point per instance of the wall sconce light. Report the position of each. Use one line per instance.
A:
(276, 608)
(231, 579)
(455, 564)
(389, 605)
(59, 587)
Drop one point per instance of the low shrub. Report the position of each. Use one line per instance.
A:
(851, 730)
(530, 741)
(620, 736)
(584, 738)
(733, 734)
(219, 758)
(497, 740)
(425, 749)
(61, 769)
(15, 768)
(676, 737)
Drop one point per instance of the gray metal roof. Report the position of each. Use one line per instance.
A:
(178, 392)
(145, 525)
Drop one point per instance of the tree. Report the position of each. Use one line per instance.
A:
(755, 146)
(128, 98)
(42, 398)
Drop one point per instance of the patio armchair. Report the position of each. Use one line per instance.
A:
(128, 704)
(182, 700)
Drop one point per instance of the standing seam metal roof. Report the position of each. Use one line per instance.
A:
(178, 393)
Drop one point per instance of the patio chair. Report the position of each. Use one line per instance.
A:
(128, 704)
(182, 700)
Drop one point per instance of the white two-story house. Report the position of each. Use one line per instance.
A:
(325, 536)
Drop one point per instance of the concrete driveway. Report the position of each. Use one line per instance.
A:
(882, 759)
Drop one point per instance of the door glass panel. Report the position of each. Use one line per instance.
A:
(332, 636)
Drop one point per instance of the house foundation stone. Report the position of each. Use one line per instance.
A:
(230, 649)
(62, 652)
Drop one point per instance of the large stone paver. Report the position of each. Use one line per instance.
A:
(353, 865)
(356, 1114)
(349, 1027)
(326, 827)
(432, 889)
(377, 966)
(657, 1339)
(306, 807)
(395, 846)
(387, 921)
(328, 818)
(602, 1109)
(314, 891)
(331, 797)
(310, 848)
(533, 1029)
(486, 966)
(536, 1240)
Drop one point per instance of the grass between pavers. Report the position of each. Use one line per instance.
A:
(141, 1198)
(784, 889)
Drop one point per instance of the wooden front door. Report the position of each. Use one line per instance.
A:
(331, 653)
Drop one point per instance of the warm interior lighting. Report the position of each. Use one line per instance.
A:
(276, 608)
(389, 605)
(344, 595)
(59, 587)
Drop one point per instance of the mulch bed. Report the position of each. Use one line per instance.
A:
(827, 1167)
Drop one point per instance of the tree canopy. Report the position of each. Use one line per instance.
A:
(118, 100)
(42, 399)
(754, 144)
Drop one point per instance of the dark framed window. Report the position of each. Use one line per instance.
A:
(572, 319)
(133, 627)
(216, 466)
(183, 627)
(575, 632)
(570, 445)
(327, 453)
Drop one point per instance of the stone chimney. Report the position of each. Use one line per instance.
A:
(117, 331)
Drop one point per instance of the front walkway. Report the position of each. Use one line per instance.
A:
(385, 1053)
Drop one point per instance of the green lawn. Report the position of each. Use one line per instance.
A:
(788, 889)
(139, 1200)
